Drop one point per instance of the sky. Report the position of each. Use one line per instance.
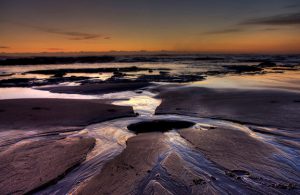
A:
(208, 26)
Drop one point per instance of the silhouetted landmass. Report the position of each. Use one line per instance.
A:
(88, 70)
(56, 60)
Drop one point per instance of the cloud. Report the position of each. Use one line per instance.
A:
(292, 6)
(270, 29)
(4, 47)
(279, 20)
(224, 31)
(71, 35)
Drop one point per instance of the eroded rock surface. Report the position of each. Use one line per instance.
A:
(122, 174)
(242, 155)
(28, 165)
(260, 107)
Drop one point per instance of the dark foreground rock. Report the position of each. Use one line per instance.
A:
(261, 107)
(56, 114)
(29, 165)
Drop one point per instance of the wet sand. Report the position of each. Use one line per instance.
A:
(273, 108)
(46, 115)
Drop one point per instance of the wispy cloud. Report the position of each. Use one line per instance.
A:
(224, 31)
(4, 47)
(290, 19)
(71, 35)
(280, 20)
(292, 6)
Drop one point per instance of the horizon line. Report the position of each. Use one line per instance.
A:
(169, 52)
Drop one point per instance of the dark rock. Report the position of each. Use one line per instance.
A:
(163, 72)
(266, 64)
(4, 74)
(243, 68)
(198, 181)
(170, 78)
(31, 82)
(17, 82)
(59, 74)
(213, 73)
(287, 186)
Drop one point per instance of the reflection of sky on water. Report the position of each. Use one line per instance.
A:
(289, 80)
(18, 93)
(144, 102)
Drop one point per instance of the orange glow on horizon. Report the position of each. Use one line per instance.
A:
(252, 41)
